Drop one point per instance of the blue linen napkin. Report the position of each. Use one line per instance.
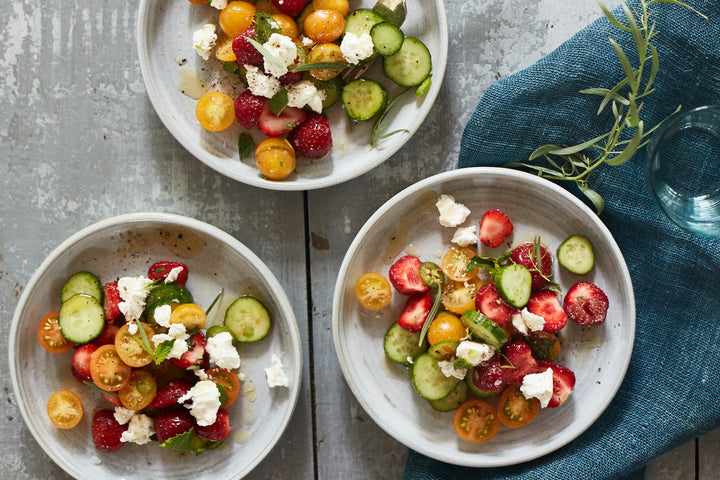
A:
(671, 392)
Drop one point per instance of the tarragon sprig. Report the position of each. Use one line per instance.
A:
(625, 99)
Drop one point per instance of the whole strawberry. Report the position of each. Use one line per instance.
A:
(290, 7)
(244, 51)
(248, 108)
(219, 430)
(106, 431)
(172, 422)
(168, 395)
(312, 138)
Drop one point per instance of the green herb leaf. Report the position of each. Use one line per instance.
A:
(219, 295)
(264, 27)
(278, 102)
(320, 66)
(431, 315)
(246, 145)
(179, 442)
(162, 350)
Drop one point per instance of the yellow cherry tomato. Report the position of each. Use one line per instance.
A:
(64, 409)
(129, 350)
(287, 25)
(446, 327)
(341, 6)
(373, 291)
(223, 49)
(190, 315)
(459, 297)
(323, 26)
(455, 261)
(266, 6)
(325, 53)
(275, 158)
(236, 17)
(215, 111)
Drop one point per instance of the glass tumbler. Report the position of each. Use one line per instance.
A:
(684, 170)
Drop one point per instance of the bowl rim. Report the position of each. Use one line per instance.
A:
(278, 293)
(439, 67)
(406, 195)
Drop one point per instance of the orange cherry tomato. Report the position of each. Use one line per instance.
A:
(50, 336)
(287, 25)
(107, 370)
(215, 111)
(139, 392)
(64, 409)
(341, 6)
(476, 421)
(223, 49)
(325, 53)
(190, 315)
(236, 17)
(459, 297)
(266, 6)
(275, 158)
(455, 262)
(324, 25)
(446, 327)
(514, 409)
(227, 379)
(129, 348)
(373, 291)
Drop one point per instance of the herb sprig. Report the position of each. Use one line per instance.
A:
(625, 99)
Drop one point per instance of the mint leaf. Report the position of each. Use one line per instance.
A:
(179, 442)
(278, 102)
(264, 27)
(162, 350)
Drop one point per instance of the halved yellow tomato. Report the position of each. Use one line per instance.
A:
(65, 409)
(190, 315)
(373, 291)
(139, 392)
(128, 347)
(459, 297)
(455, 263)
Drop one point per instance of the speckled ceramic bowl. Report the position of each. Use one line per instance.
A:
(126, 246)
(164, 40)
(409, 222)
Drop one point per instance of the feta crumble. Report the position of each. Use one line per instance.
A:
(474, 352)
(538, 385)
(260, 84)
(140, 429)
(204, 40)
(178, 335)
(355, 49)
(221, 351)
(162, 315)
(304, 93)
(123, 415)
(447, 367)
(465, 236)
(275, 373)
(283, 49)
(526, 321)
(451, 214)
(133, 292)
(173, 274)
(219, 4)
(204, 399)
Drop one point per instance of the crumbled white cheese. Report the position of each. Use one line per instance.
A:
(140, 429)
(178, 335)
(538, 385)
(162, 315)
(133, 292)
(355, 49)
(123, 415)
(465, 236)
(451, 214)
(173, 274)
(447, 367)
(304, 93)
(201, 374)
(204, 399)
(534, 322)
(275, 373)
(410, 360)
(474, 352)
(222, 352)
(260, 84)
(307, 41)
(177, 330)
(132, 328)
(219, 4)
(283, 49)
(204, 40)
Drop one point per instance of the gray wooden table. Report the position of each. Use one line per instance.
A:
(81, 142)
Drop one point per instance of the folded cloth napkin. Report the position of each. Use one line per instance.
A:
(671, 391)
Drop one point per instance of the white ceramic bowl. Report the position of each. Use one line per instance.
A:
(126, 246)
(409, 222)
(164, 40)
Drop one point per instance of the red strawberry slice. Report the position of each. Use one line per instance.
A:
(160, 271)
(290, 7)
(489, 302)
(547, 304)
(415, 312)
(81, 362)
(586, 304)
(312, 138)
(495, 226)
(405, 277)
(172, 422)
(111, 300)
(563, 382)
(488, 377)
(169, 394)
(526, 254)
(517, 361)
(218, 431)
(245, 52)
(107, 336)
(248, 108)
(195, 354)
(114, 399)
(106, 431)
(275, 125)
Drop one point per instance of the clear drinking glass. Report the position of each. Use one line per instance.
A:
(684, 156)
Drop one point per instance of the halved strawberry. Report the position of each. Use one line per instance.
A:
(586, 304)
(81, 362)
(290, 7)
(195, 354)
(312, 138)
(526, 254)
(171, 422)
(113, 398)
(547, 304)
(487, 377)
(111, 300)
(517, 361)
(489, 302)
(415, 312)
(405, 277)
(563, 382)
(275, 125)
(106, 431)
(245, 52)
(495, 226)
(219, 430)
(248, 108)
(168, 395)
(161, 270)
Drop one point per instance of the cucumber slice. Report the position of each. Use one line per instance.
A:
(411, 65)
(514, 284)
(248, 319)
(456, 398)
(363, 99)
(399, 345)
(443, 350)
(387, 38)
(484, 329)
(576, 254)
(428, 379)
(81, 318)
(215, 329)
(82, 282)
(361, 21)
